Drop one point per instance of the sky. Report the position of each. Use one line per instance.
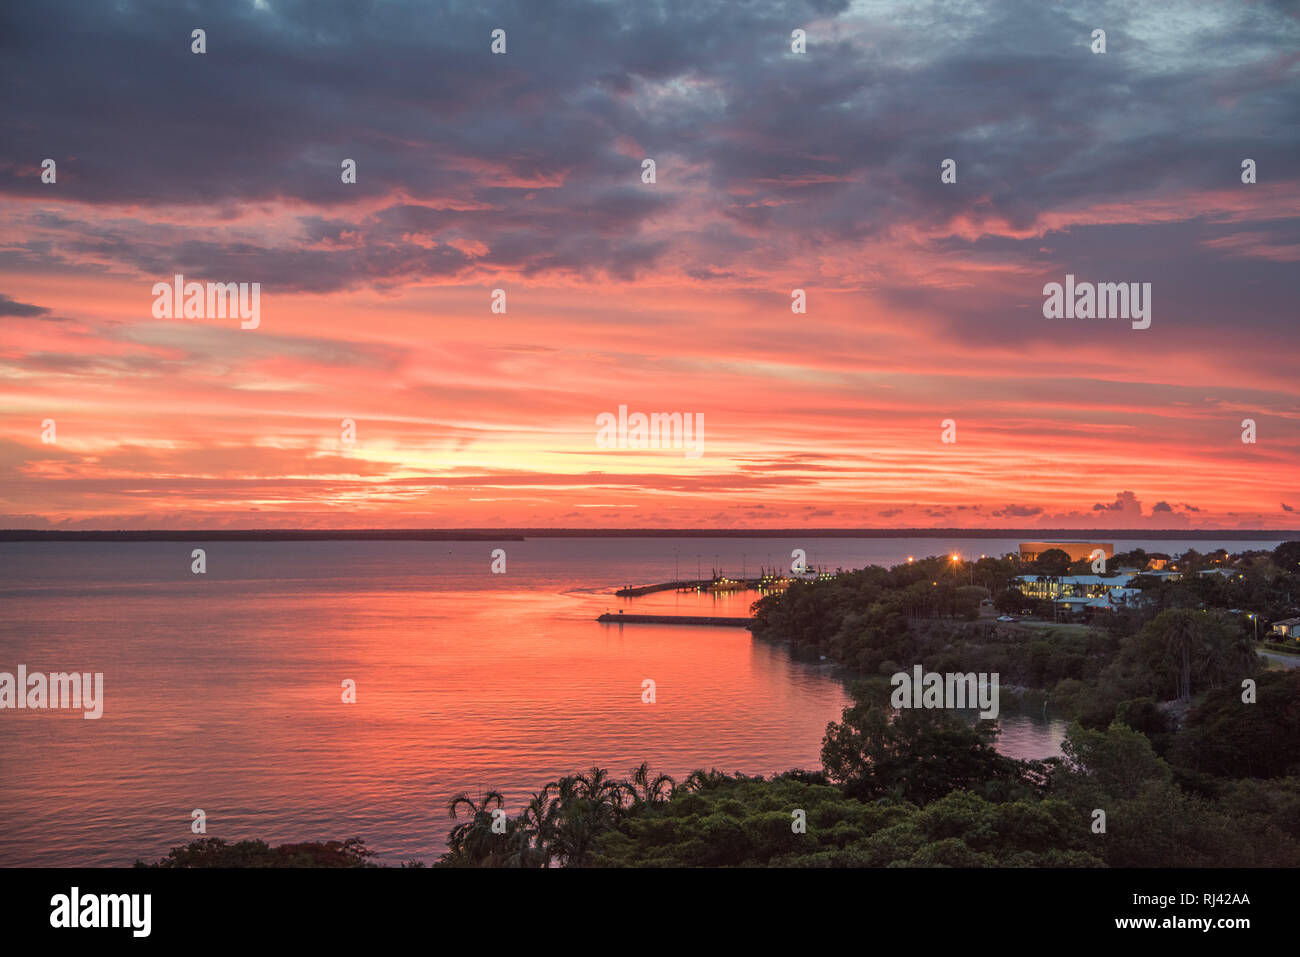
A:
(774, 171)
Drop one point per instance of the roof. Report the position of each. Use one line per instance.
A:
(1113, 580)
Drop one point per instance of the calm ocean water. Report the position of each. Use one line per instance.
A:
(222, 691)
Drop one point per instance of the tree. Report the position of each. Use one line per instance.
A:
(917, 755)
(1105, 766)
(473, 841)
(701, 780)
(537, 827)
(215, 852)
(1183, 650)
(968, 600)
(1224, 736)
(1137, 558)
(1287, 557)
(1009, 602)
(1054, 561)
(648, 789)
(585, 806)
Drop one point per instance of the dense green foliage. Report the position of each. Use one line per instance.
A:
(738, 821)
(919, 755)
(1054, 561)
(214, 852)
(1221, 737)
(1188, 637)
(957, 805)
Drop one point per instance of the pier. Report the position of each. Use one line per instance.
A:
(722, 583)
(620, 618)
(639, 590)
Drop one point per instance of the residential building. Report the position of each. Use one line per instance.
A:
(1287, 628)
(1225, 572)
(1164, 575)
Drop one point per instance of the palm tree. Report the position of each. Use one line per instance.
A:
(595, 784)
(648, 790)
(567, 788)
(584, 805)
(1178, 638)
(606, 795)
(699, 780)
(1226, 652)
(473, 839)
(575, 831)
(518, 850)
(537, 825)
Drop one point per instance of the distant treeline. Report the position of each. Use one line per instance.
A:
(257, 535)
(1024, 534)
(519, 534)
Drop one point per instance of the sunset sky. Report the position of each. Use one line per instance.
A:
(774, 171)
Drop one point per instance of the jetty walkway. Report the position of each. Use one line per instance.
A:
(676, 620)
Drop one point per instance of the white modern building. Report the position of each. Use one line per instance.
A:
(1050, 587)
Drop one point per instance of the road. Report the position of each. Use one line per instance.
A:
(1286, 661)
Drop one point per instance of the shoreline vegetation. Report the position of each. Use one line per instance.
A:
(520, 534)
(1183, 747)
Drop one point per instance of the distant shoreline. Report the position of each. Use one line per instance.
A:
(520, 534)
(253, 535)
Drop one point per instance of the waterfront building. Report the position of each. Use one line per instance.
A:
(1029, 551)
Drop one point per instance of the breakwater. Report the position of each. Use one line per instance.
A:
(676, 620)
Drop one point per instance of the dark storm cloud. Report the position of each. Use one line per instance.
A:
(10, 307)
(286, 90)
(531, 154)
(1018, 511)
